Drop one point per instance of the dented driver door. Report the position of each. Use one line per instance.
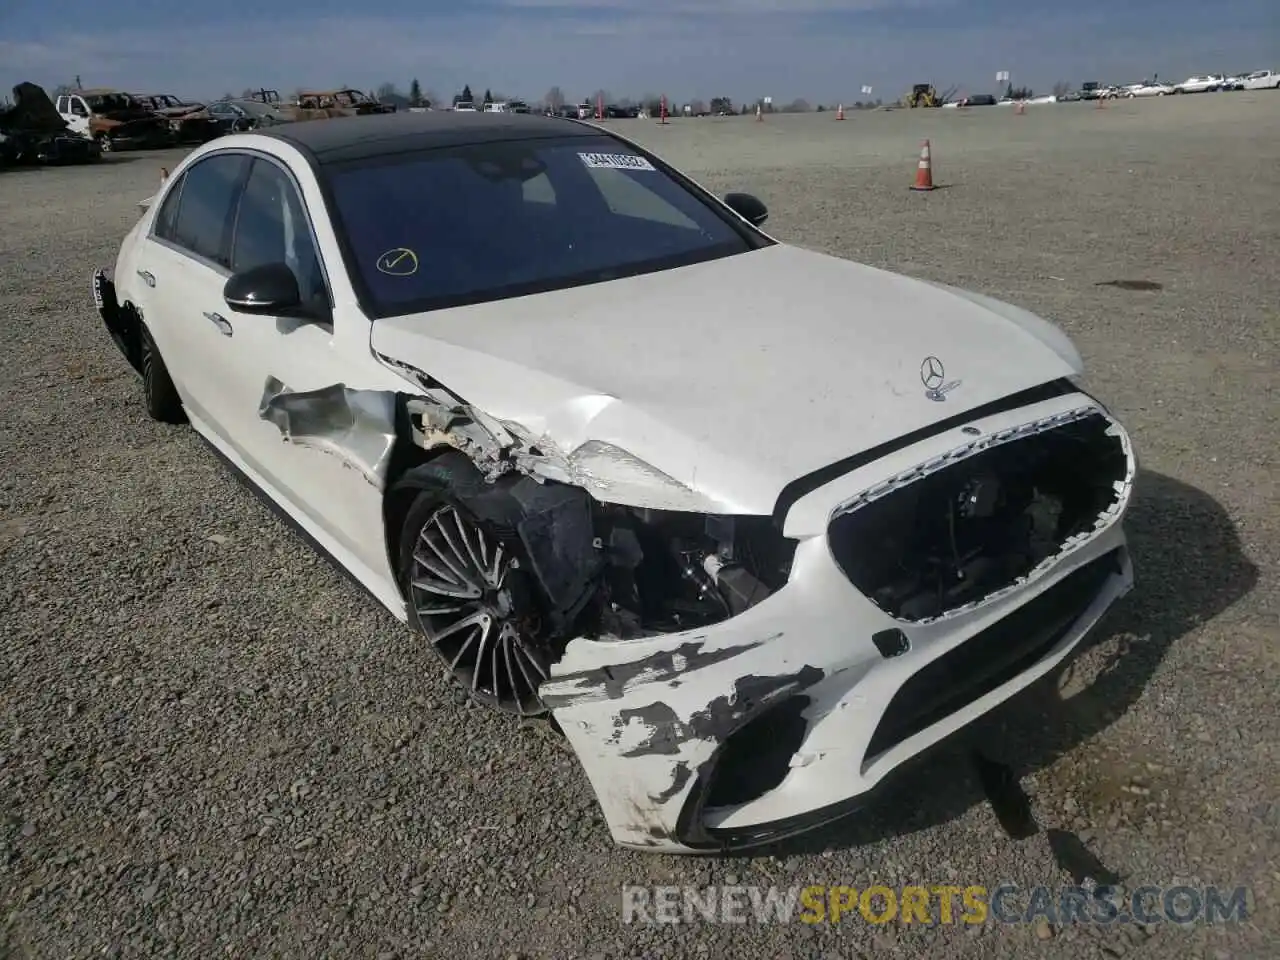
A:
(298, 399)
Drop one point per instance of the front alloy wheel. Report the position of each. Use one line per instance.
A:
(476, 606)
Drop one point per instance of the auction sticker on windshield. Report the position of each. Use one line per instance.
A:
(615, 161)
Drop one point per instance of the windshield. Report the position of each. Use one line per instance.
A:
(470, 224)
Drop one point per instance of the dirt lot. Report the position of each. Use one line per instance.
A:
(211, 743)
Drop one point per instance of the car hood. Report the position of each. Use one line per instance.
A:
(731, 378)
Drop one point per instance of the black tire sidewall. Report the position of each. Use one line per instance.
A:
(162, 400)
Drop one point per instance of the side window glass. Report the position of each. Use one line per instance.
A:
(208, 202)
(271, 227)
(78, 107)
(167, 218)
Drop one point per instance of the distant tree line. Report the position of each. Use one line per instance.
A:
(555, 99)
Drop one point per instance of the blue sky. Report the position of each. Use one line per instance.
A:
(822, 50)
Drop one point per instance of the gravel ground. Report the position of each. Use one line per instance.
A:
(211, 742)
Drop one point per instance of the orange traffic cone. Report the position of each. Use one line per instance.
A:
(164, 174)
(1101, 104)
(1021, 108)
(840, 112)
(924, 170)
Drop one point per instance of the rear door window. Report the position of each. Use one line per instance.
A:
(208, 201)
(167, 218)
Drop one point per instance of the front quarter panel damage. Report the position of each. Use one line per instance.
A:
(356, 426)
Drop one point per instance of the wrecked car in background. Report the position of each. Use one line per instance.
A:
(241, 115)
(188, 122)
(114, 119)
(32, 132)
(753, 536)
(326, 104)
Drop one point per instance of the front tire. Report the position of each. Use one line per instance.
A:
(162, 400)
(468, 591)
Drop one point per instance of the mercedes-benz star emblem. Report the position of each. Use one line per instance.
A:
(932, 373)
(934, 377)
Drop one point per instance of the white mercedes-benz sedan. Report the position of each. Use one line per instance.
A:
(751, 524)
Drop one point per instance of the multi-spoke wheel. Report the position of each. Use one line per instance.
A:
(475, 605)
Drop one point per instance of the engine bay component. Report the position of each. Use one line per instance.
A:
(948, 539)
(667, 571)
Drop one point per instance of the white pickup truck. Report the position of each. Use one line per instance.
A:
(113, 118)
(1262, 80)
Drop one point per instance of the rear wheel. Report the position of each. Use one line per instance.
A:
(470, 594)
(104, 142)
(163, 402)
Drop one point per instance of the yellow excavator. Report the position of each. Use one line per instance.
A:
(922, 95)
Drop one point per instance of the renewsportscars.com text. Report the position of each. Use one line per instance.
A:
(939, 904)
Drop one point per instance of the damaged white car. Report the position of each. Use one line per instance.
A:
(754, 525)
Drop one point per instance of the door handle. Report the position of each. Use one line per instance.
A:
(147, 277)
(221, 322)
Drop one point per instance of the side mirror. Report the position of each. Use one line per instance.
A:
(749, 207)
(271, 289)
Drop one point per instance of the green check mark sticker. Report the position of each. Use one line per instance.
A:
(400, 262)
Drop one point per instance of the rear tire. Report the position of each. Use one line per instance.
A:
(162, 400)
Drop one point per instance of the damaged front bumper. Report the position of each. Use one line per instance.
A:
(788, 715)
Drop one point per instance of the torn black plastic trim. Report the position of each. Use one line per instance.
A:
(121, 321)
(801, 487)
(756, 758)
(751, 696)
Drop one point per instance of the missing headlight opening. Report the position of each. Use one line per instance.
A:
(667, 571)
(954, 537)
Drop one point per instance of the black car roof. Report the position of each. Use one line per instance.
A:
(342, 139)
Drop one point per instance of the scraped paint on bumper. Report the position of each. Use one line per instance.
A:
(816, 690)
